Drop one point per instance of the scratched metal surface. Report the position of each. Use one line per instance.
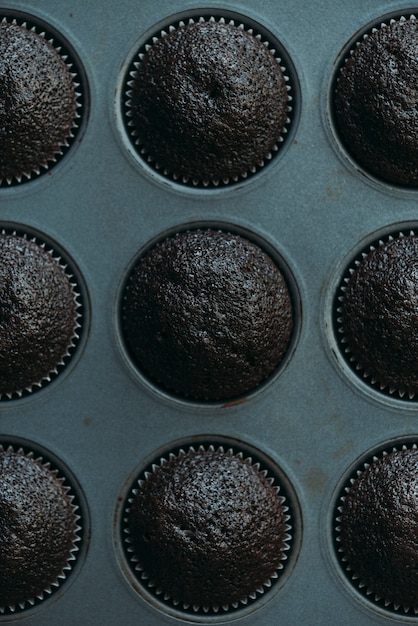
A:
(313, 420)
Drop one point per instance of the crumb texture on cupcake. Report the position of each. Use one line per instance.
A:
(37, 104)
(375, 102)
(39, 317)
(208, 102)
(377, 528)
(38, 529)
(207, 314)
(208, 528)
(379, 315)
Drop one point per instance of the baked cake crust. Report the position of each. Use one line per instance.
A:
(208, 528)
(375, 102)
(207, 314)
(38, 102)
(379, 314)
(208, 102)
(38, 313)
(377, 528)
(37, 528)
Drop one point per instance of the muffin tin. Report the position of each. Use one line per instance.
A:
(314, 208)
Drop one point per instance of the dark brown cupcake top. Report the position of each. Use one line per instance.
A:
(208, 102)
(375, 102)
(38, 318)
(378, 528)
(208, 528)
(37, 104)
(37, 529)
(207, 314)
(379, 315)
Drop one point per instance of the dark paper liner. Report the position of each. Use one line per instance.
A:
(148, 584)
(338, 321)
(79, 316)
(79, 83)
(40, 458)
(278, 52)
(355, 580)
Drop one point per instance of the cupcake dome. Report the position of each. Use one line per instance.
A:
(38, 529)
(39, 101)
(375, 102)
(39, 317)
(208, 528)
(379, 318)
(208, 102)
(377, 528)
(206, 314)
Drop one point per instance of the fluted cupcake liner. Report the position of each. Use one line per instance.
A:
(148, 157)
(365, 34)
(358, 581)
(35, 385)
(147, 581)
(29, 602)
(375, 29)
(355, 362)
(66, 142)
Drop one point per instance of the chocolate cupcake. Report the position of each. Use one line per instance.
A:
(377, 315)
(207, 529)
(375, 104)
(39, 101)
(207, 315)
(39, 529)
(207, 101)
(376, 528)
(39, 324)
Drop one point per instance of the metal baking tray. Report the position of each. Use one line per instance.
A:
(104, 421)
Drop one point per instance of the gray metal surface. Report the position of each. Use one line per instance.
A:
(99, 418)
